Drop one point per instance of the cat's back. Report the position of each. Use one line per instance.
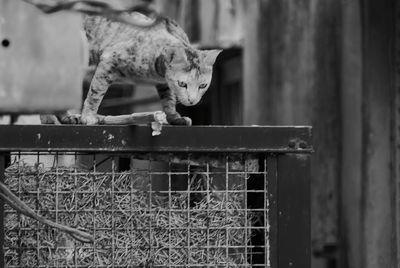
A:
(102, 32)
(175, 30)
(98, 29)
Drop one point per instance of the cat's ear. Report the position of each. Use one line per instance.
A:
(211, 55)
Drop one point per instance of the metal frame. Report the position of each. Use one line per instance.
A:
(288, 173)
(139, 139)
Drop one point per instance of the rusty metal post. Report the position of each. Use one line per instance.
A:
(294, 231)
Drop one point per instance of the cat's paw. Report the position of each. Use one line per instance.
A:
(182, 121)
(49, 119)
(71, 119)
(89, 119)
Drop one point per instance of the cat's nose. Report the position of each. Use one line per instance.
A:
(192, 98)
(192, 101)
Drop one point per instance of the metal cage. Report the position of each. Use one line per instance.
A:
(192, 197)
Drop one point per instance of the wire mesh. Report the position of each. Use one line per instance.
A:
(159, 210)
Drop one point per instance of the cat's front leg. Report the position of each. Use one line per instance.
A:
(168, 103)
(102, 79)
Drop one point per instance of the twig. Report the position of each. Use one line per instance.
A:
(135, 118)
(156, 119)
(20, 206)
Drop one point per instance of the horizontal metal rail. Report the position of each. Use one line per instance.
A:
(122, 139)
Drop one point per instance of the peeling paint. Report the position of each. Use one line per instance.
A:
(123, 142)
(39, 136)
(110, 137)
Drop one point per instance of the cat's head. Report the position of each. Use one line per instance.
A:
(188, 72)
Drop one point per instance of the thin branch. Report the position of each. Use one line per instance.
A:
(21, 207)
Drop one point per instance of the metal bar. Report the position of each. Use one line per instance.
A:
(226, 195)
(172, 229)
(113, 167)
(75, 205)
(139, 139)
(37, 209)
(271, 212)
(208, 216)
(150, 228)
(169, 212)
(246, 208)
(19, 215)
(189, 259)
(2, 177)
(294, 230)
(56, 159)
(94, 214)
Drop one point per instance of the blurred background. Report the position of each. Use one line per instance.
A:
(334, 65)
(326, 63)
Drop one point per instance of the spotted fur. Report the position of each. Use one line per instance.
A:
(160, 54)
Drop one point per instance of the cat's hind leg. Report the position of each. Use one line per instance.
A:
(168, 103)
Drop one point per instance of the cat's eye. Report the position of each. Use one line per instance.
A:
(203, 86)
(182, 84)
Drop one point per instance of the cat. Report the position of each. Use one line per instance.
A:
(160, 54)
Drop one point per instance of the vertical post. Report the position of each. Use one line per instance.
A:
(351, 151)
(294, 232)
(272, 191)
(396, 133)
(377, 201)
(368, 195)
(2, 170)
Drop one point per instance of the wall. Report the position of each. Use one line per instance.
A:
(369, 188)
(291, 77)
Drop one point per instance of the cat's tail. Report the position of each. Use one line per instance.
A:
(104, 8)
(139, 16)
